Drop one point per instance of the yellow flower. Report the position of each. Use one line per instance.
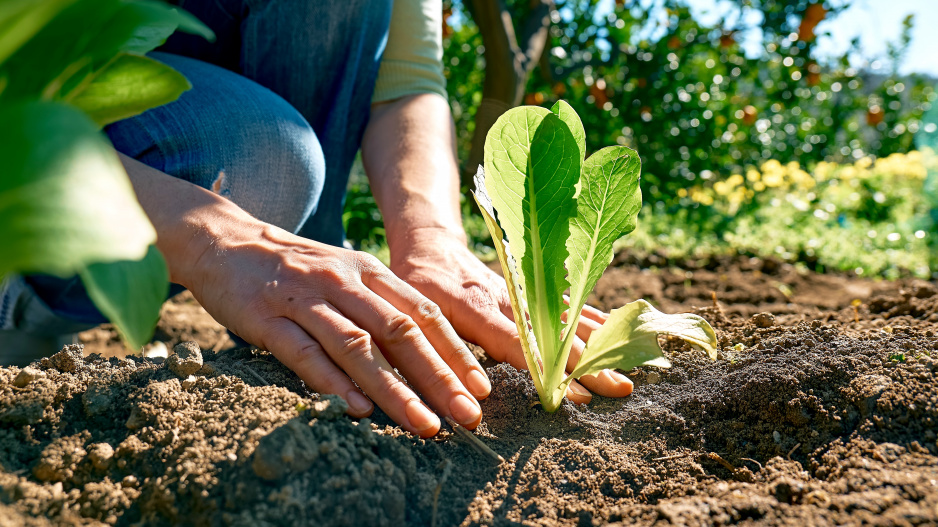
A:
(773, 179)
(735, 180)
(753, 175)
(771, 165)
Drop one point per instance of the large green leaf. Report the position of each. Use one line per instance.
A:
(155, 22)
(65, 200)
(532, 165)
(607, 207)
(130, 293)
(510, 271)
(128, 86)
(85, 37)
(629, 338)
(568, 115)
(21, 19)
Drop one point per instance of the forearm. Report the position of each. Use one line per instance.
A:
(188, 218)
(410, 157)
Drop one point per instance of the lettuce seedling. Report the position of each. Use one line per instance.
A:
(561, 213)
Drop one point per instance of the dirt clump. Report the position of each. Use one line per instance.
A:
(821, 410)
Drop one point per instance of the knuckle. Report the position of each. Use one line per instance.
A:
(443, 381)
(305, 357)
(356, 345)
(427, 313)
(400, 328)
(368, 263)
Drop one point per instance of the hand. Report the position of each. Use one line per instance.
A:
(335, 316)
(475, 301)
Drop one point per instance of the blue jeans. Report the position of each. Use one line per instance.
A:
(279, 104)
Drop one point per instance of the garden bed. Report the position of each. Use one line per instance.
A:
(821, 411)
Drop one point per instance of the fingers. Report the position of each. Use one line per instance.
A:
(586, 327)
(404, 345)
(576, 393)
(354, 351)
(299, 352)
(591, 313)
(607, 383)
(434, 327)
(496, 333)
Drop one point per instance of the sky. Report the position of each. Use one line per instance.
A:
(875, 22)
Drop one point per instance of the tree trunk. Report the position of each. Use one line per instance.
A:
(508, 63)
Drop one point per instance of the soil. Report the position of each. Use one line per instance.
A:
(821, 410)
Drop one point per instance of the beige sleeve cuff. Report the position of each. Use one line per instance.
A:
(413, 59)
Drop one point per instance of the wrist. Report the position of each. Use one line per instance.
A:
(423, 241)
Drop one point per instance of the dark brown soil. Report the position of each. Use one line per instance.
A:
(820, 411)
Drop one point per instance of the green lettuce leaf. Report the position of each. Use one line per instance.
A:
(629, 338)
(532, 166)
(509, 270)
(607, 208)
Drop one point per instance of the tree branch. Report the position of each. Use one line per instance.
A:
(507, 65)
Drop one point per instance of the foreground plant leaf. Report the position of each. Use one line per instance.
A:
(509, 270)
(130, 293)
(128, 86)
(629, 338)
(65, 200)
(532, 167)
(83, 37)
(607, 208)
(21, 19)
(561, 216)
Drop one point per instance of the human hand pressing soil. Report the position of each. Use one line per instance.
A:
(331, 315)
(475, 301)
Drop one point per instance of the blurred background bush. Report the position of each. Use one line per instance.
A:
(752, 139)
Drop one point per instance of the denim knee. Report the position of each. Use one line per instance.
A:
(278, 178)
(235, 137)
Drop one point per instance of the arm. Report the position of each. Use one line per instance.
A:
(409, 156)
(330, 315)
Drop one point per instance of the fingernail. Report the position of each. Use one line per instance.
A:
(579, 390)
(617, 377)
(478, 384)
(420, 417)
(464, 410)
(357, 402)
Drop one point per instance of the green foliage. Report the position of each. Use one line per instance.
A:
(66, 206)
(869, 218)
(128, 301)
(690, 101)
(559, 215)
(128, 86)
(56, 168)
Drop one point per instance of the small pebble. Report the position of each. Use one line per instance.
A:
(101, 455)
(653, 378)
(70, 360)
(186, 359)
(129, 481)
(188, 382)
(763, 320)
(26, 376)
(777, 437)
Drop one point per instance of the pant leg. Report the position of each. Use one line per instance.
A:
(321, 56)
(271, 159)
